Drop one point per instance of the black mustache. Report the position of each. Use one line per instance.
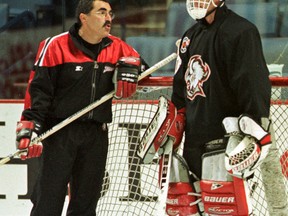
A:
(107, 23)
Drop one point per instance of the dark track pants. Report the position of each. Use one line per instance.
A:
(77, 154)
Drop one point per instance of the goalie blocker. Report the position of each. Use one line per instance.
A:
(167, 124)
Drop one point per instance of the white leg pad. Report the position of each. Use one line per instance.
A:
(223, 194)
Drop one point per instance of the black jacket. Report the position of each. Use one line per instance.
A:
(67, 77)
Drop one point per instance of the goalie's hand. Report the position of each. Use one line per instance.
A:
(260, 133)
(126, 76)
(177, 129)
(247, 146)
(26, 131)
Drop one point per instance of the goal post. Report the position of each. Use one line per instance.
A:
(131, 188)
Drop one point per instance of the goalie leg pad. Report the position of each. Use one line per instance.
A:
(182, 199)
(221, 198)
(219, 195)
(273, 181)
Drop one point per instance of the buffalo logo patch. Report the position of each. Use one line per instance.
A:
(196, 74)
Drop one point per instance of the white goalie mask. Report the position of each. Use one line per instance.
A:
(198, 9)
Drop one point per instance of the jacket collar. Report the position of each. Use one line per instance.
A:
(73, 31)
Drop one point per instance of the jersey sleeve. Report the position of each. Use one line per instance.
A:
(248, 74)
(178, 97)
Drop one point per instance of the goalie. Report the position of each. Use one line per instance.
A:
(221, 79)
(226, 163)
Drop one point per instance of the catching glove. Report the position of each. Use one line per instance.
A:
(26, 131)
(126, 76)
(247, 146)
(260, 133)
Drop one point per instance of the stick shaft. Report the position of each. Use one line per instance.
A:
(89, 107)
(103, 99)
(10, 157)
(5, 160)
(165, 178)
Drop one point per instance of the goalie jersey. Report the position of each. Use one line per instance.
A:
(220, 72)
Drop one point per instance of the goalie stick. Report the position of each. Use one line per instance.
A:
(156, 132)
(158, 143)
(164, 175)
(90, 107)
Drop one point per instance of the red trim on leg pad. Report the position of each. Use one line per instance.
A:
(181, 200)
(221, 198)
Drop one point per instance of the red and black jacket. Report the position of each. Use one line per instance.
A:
(67, 77)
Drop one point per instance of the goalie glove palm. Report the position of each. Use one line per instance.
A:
(260, 135)
(247, 146)
(126, 76)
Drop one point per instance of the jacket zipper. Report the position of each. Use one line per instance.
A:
(93, 91)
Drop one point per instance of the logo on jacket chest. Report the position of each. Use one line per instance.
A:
(196, 75)
(78, 68)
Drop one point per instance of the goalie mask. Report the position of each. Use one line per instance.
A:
(198, 9)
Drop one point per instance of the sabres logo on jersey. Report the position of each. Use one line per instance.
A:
(184, 45)
(196, 74)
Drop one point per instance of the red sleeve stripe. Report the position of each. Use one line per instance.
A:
(45, 47)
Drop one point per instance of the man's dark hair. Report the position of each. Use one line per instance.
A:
(85, 6)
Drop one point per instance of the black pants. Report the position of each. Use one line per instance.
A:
(77, 154)
(193, 157)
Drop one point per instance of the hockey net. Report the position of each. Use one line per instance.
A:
(131, 188)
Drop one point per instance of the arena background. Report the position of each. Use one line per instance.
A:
(151, 26)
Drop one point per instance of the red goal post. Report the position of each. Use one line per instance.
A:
(131, 188)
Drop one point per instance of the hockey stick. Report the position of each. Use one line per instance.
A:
(164, 173)
(90, 107)
(156, 141)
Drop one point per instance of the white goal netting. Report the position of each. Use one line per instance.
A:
(130, 188)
